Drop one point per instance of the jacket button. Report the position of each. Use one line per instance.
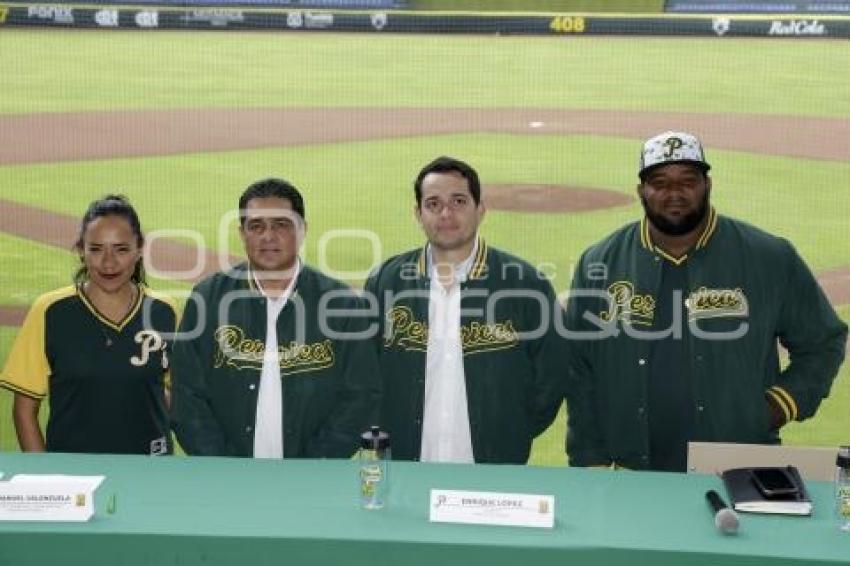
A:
(249, 428)
(252, 386)
(641, 362)
(700, 408)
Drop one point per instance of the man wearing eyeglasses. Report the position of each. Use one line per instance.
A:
(468, 347)
(265, 364)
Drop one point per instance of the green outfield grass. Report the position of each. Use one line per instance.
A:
(367, 185)
(99, 71)
(830, 426)
(29, 269)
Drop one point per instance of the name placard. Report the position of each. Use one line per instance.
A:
(492, 508)
(48, 498)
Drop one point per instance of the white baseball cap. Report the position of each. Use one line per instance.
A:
(672, 147)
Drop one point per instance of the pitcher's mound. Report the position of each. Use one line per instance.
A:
(550, 198)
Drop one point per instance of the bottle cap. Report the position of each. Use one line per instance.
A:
(375, 439)
(843, 459)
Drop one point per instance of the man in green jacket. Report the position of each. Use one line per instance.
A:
(469, 353)
(270, 360)
(675, 321)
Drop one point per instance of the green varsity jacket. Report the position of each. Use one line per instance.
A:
(330, 384)
(514, 377)
(747, 290)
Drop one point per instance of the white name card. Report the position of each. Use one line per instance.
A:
(491, 508)
(48, 498)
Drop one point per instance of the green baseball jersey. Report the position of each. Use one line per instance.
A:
(329, 383)
(105, 382)
(745, 292)
(513, 359)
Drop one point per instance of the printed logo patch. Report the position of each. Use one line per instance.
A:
(716, 303)
(159, 446)
(407, 333)
(240, 352)
(628, 306)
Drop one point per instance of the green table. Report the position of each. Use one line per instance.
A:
(218, 511)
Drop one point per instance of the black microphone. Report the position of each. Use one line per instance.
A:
(725, 519)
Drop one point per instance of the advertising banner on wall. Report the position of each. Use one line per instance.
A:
(758, 7)
(567, 25)
(314, 4)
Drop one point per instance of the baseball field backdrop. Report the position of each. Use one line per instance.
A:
(181, 122)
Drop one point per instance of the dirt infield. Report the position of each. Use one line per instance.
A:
(550, 198)
(52, 137)
(57, 137)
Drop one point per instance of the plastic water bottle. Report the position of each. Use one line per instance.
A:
(842, 489)
(374, 459)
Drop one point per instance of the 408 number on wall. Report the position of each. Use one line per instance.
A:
(567, 24)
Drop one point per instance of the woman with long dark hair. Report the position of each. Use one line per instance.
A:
(96, 349)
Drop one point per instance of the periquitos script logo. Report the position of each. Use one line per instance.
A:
(797, 27)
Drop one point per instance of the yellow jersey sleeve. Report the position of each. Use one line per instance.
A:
(27, 369)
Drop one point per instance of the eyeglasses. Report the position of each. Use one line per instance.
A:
(455, 203)
(260, 225)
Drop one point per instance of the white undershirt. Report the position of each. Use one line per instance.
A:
(446, 435)
(268, 427)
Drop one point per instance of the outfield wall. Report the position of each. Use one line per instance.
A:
(154, 17)
(759, 7)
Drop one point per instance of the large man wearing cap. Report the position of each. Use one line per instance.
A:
(675, 321)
